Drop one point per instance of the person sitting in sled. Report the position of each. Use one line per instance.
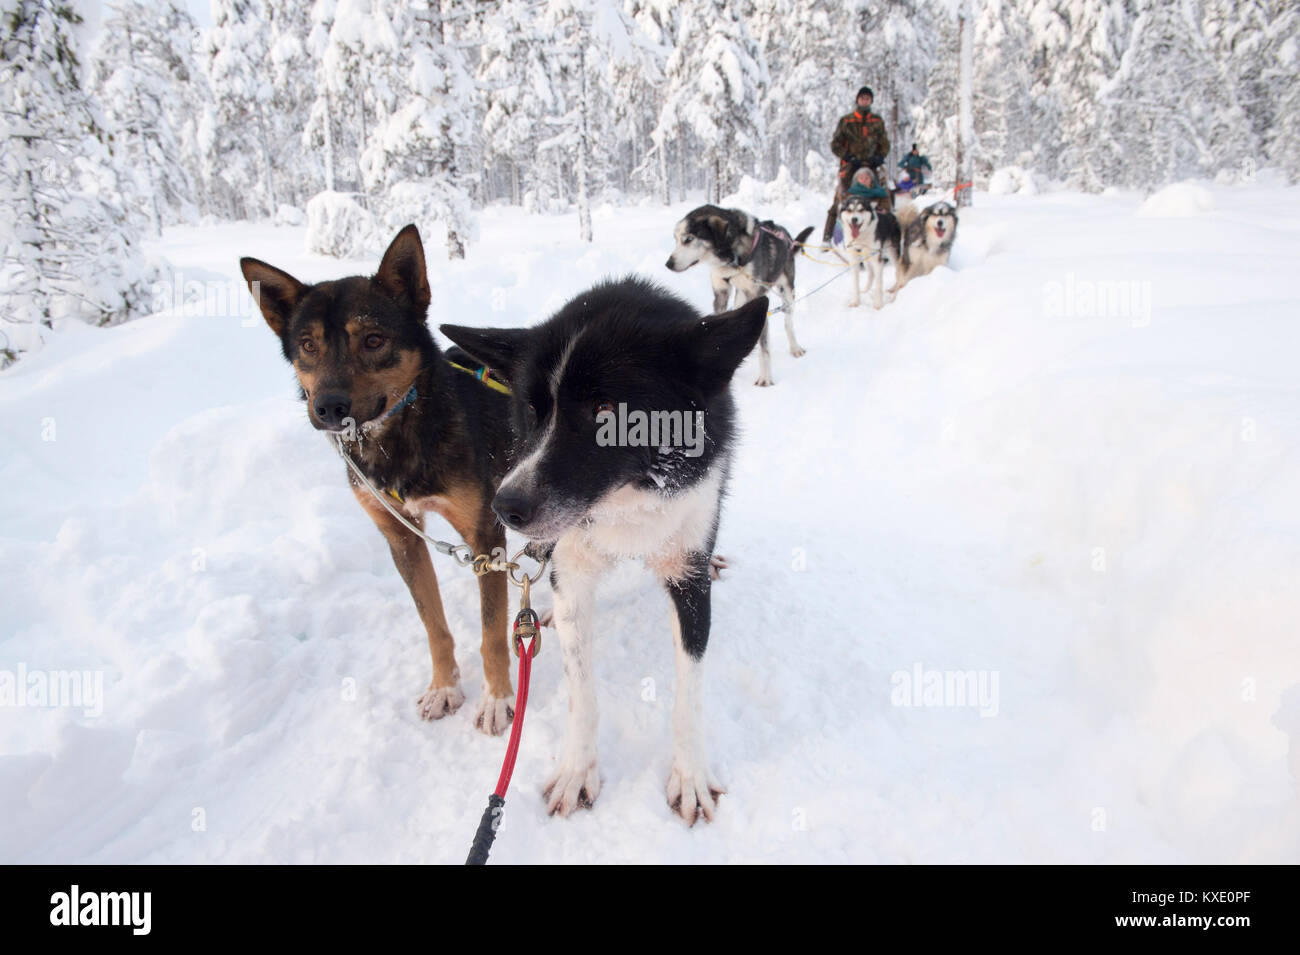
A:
(916, 166)
(864, 184)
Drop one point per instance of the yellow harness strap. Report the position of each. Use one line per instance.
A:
(481, 375)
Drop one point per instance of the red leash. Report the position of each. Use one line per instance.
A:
(525, 629)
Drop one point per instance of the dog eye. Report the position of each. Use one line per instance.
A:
(374, 341)
(308, 346)
(688, 240)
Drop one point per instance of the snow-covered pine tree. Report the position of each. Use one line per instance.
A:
(1170, 118)
(318, 131)
(1002, 89)
(1281, 66)
(935, 120)
(716, 82)
(519, 94)
(415, 161)
(898, 42)
(812, 84)
(240, 157)
(70, 243)
(143, 76)
(297, 171)
(1237, 34)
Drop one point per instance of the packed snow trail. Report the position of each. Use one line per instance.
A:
(1065, 465)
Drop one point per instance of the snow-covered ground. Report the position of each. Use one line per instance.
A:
(1087, 498)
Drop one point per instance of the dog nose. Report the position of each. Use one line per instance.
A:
(514, 507)
(669, 263)
(331, 409)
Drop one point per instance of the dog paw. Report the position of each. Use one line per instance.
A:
(854, 303)
(494, 714)
(439, 701)
(693, 792)
(717, 564)
(798, 352)
(572, 788)
(765, 381)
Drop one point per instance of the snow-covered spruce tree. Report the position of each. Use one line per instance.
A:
(297, 170)
(1239, 35)
(342, 75)
(935, 119)
(633, 73)
(1082, 67)
(70, 243)
(318, 132)
(1003, 103)
(716, 81)
(414, 159)
(811, 88)
(1169, 118)
(518, 94)
(1282, 145)
(240, 159)
(143, 78)
(898, 43)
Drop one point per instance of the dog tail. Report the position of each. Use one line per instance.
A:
(801, 238)
(905, 213)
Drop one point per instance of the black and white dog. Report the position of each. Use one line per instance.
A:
(872, 237)
(928, 235)
(744, 254)
(621, 349)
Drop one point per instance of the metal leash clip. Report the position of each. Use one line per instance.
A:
(526, 626)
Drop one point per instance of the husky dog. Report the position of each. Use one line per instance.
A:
(873, 238)
(927, 239)
(420, 427)
(750, 256)
(622, 345)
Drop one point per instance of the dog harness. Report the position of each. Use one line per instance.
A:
(482, 375)
(758, 234)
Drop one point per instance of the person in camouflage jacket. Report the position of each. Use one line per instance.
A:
(860, 140)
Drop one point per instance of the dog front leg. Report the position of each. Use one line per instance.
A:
(721, 294)
(692, 791)
(496, 708)
(787, 299)
(576, 780)
(854, 302)
(411, 558)
(877, 267)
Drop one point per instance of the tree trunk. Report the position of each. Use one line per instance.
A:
(329, 144)
(584, 200)
(965, 120)
(266, 159)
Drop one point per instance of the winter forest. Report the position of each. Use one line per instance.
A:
(121, 119)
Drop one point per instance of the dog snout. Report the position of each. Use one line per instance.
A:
(332, 408)
(514, 507)
(671, 264)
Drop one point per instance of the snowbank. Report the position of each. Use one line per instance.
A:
(1178, 200)
(1012, 180)
(337, 226)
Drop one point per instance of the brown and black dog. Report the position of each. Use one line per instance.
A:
(430, 435)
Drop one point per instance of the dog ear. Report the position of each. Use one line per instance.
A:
(498, 348)
(721, 234)
(276, 293)
(402, 272)
(719, 343)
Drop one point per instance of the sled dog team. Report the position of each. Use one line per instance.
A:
(503, 435)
